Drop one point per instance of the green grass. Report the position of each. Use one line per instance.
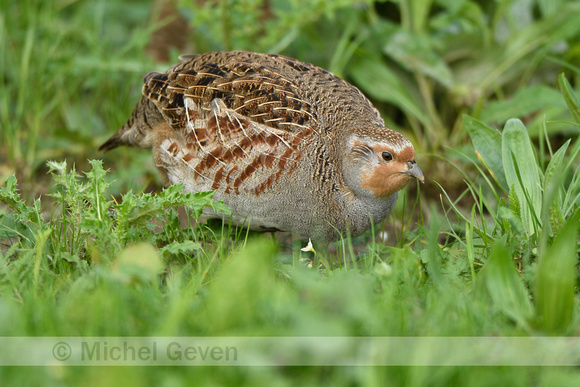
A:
(492, 250)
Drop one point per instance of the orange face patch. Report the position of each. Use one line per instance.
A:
(384, 180)
(406, 154)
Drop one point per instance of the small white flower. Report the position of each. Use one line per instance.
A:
(309, 247)
(384, 236)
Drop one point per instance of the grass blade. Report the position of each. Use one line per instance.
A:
(553, 177)
(569, 97)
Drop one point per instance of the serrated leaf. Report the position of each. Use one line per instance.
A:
(522, 173)
(10, 196)
(487, 143)
(221, 207)
(197, 201)
(56, 167)
(18, 222)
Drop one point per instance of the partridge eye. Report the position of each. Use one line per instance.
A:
(387, 156)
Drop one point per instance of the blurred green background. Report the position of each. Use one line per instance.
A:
(488, 247)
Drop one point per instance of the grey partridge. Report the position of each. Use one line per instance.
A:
(285, 144)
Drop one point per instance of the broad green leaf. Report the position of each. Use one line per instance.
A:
(556, 278)
(569, 97)
(375, 78)
(415, 52)
(505, 286)
(487, 143)
(522, 173)
(524, 102)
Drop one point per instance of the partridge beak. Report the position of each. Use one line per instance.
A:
(415, 172)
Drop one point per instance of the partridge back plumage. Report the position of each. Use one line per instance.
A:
(285, 144)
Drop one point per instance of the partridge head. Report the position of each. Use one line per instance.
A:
(285, 144)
